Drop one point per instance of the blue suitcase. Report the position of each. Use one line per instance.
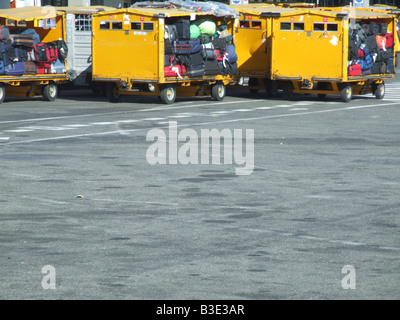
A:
(16, 69)
(1, 67)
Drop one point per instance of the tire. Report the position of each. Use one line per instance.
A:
(379, 90)
(271, 87)
(168, 95)
(112, 92)
(50, 92)
(321, 96)
(2, 93)
(218, 91)
(288, 91)
(253, 82)
(346, 93)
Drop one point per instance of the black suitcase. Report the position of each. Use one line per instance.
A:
(195, 59)
(195, 70)
(211, 68)
(183, 29)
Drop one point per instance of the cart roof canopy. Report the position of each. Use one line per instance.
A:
(84, 10)
(29, 13)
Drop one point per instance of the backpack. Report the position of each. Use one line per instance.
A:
(62, 49)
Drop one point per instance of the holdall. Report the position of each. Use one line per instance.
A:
(7, 53)
(22, 40)
(21, 54)
(181, 47)
(209, 51)
(43, 67)
(46, 52)
(4, 33)
(228, 68)
(194, 31)
(389, 40)
(355, 70)
(183, 28)
(195, 70)
(230, 53)
(29, 31)
(195, 45)
(16, 68)
(381, 41)
(219, 44)
(30, 67)
(207, 26)
(175, 71)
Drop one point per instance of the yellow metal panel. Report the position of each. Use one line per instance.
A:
(302, 50)
(123, 54)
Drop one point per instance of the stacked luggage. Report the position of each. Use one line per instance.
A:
(23, 53)
(199, 48)
(371, 49)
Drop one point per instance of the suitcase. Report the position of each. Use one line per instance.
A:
(4, 33)
(211, 67)
(181, 47)
(57, 67)
(195, 70)
(183, 28)
(30, 67)
(1, 67)
(29, 31)
(355, 70)
(16, 69)
(195, 59)
(22, 40)
(43, 67)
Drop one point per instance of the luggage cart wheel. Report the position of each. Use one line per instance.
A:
(271, 87)
(288, 91)
(168, 94)
(379, 90)
(2, 93)
(346, 93)
(50, 92)
(112, 92)
(218, 91)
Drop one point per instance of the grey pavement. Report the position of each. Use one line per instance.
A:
(317, 218)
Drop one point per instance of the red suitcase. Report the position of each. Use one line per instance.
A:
(355, 70)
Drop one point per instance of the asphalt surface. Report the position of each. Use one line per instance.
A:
(80, 201)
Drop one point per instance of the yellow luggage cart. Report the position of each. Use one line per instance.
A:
(310, 53)
(49, 24)
(304, 51)
(128, 51)
(253, 37)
